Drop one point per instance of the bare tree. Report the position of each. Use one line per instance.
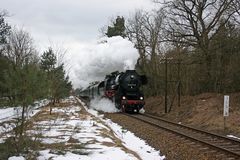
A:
(196, 22)
(144, 29)
(20, 49)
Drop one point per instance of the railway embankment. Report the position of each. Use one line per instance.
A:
(204, 111)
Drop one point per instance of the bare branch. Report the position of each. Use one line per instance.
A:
(20, 48)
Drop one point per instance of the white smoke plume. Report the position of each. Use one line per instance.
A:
(93, 61)
(103, 104)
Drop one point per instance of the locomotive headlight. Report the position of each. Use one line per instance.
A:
(141, 98)
(123, 97)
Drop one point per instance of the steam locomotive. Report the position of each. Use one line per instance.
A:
(123, 88)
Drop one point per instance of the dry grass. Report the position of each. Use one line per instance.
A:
(203, 111)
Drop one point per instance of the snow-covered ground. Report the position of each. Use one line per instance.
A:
(9, 113)
(7, 116)
(72, 132)
(128, 139)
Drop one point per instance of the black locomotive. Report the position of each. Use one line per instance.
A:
(124, 89)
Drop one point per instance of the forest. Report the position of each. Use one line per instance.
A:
(186, 46)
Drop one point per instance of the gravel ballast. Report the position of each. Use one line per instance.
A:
(172, 146)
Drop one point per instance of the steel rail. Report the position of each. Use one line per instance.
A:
(189, 136)
(193, 128)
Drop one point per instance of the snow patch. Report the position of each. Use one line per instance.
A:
(142, 111)
(16, 158)
(231, 136)
(7, 116)
(140, 146)
(129, 140)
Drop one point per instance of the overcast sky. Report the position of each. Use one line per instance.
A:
(72, 24)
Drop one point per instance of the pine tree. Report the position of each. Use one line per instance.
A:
(62, 86)
(4, 66)
(24, 86)
(48, 60)
(118, 28)
(59, 86)
(4, 62)
(4, 31)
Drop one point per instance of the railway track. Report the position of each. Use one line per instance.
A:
(223, 146)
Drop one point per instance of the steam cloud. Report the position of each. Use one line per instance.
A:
(93, 62)
(104, 105)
